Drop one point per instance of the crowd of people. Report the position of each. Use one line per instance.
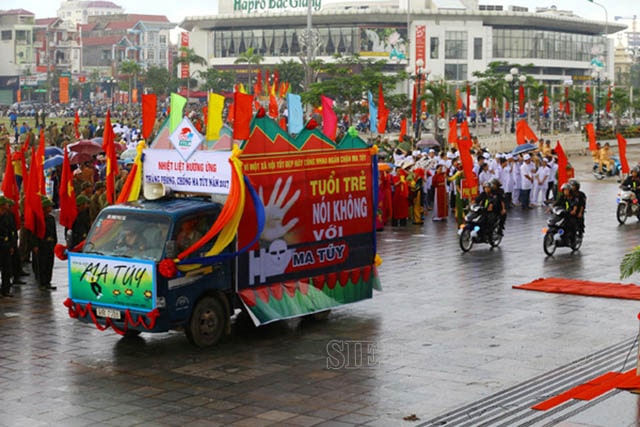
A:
(417, 184)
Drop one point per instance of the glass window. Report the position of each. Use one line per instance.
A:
(455, 45)
(455, 72)
(477, 48)
(434, 46)
(128, 234)
(6, 35)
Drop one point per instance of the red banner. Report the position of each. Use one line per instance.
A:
(421, 43)
(184, 67)
(320, 214)
(64, 90)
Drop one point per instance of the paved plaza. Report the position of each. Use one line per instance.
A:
(447, 342)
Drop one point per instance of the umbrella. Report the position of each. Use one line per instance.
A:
(77, 158)
(524, 148)
(53, 161)
(427, 143)
(97, 139)
(128, 154)
(52, 151)
(86, 146)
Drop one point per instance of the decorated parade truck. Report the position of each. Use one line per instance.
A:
(278, 227)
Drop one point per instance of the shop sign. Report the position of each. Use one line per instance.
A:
(251, 6)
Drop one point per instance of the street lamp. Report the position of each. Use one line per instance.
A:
(511, 78)
(421, 74)
(598, 75)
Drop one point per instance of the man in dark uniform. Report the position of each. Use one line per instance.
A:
(7, 234)
(82, 224)
(581, 205)
(43, 248)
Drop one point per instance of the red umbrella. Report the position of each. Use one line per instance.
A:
(77, 158)
(86, 146)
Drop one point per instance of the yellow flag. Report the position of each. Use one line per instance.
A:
(214, 116)
(177, 106)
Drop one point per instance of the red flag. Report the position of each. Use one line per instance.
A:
(329, 118)
(521, 100)
(567, 105)
(257, 87)
(622, 151)
(10, 187)
(403, 129)
(562, 165)
(230, 112)
(284, 89)
(442, 109)
(108, 145)
(524, 133)
(68, 208)
(39, 166)
(545, 102)
(464, 130)
(383, 113)
(76, 123)
(589, 107)
(273, 104)
(459, 104)
(464, 146)
(591, 135)
(25, 145)
(607, 107)
(242, 114)
(414, 104)
(468, 98)
(452, 138)
(33, 212)
(149, 112)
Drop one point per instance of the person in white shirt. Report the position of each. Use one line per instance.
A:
(540, 183)
(526, 174)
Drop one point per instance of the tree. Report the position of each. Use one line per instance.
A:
(218, 81)
(293, 72)
(250, 57)
(493, 89)
(158, 79)
(437, 96)
(131, 69)
(579, 97)
(620, 104)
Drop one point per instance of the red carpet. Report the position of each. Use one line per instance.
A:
(583, 287)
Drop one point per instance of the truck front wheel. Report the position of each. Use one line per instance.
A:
(207, 322)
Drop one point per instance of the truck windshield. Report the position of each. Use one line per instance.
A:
(129, 235)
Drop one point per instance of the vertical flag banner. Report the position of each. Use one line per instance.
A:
(545, 102)
(622, 151)
(608, 105)
(591, 135)
(68, 208)
(563, 162)
(214, 116)
(177, 104)
(452, 138)
(468, 99)
(329, 118)
(589, 107)
(520, 100)
(383, 112)
(242, 114)
(10, 186)
(108, 145)
(567, 105)
(296, 115)
(76, 124)
(149, 110)
(403, 129)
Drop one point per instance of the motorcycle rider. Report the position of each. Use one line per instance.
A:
(488, 200)
(606, 160)
(569, 203)
(632, 181)
(581, 200)
(500, 202)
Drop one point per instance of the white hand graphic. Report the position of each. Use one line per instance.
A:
(276, 210)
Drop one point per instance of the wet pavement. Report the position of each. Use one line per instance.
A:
(447, 342)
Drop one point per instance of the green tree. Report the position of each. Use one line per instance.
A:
(158, 80)
(293, 72)
(249, 57)
(130, 69)
(493, 89)
(620, 104)
(579, 98)
(438, 97)
(218, 81)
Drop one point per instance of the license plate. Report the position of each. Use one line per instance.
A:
(108, 312)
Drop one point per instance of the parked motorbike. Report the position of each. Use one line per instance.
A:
(556, 233)
(628, 205)
(477, 229)
(616, 170)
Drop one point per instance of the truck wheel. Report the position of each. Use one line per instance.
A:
(207, 322)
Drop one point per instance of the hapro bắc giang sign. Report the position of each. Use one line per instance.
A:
(253, 6)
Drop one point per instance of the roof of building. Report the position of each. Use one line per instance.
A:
(16, 12)
(101, 41)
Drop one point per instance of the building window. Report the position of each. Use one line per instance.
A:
(163, 39)
(455, 45)
(477, 48)
(5, 35)
(434, 46)
(455, 72)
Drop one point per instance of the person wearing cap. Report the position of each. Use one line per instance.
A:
(82, 223)
(540, 183)
(526, 173)
(98, 200)
(7, 237)
(43, 248)
(605, 159)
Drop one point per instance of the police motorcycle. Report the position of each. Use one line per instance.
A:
(557, 234)
(615, 171)
(477, 228)
(628, 204)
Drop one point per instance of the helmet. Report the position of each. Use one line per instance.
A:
(565, 186)
(495, 182)
(574, 183)
(636, 169)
